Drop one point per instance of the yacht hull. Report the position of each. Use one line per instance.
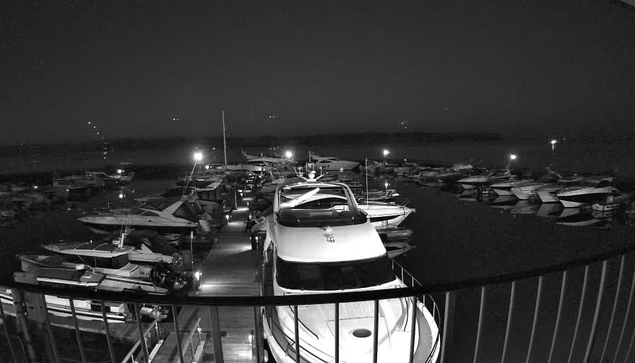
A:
(583, 196)
(547, 196)
(279, 333)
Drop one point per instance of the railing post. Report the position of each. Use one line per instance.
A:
(448, 322)
(258, 333)
(580, 309)
(49, 331)
(376, 331)
(20, 314)
(558, 315)
(479, 327)
(80, 343)
(626, 316)
(512, 298)
(175, 316)
(296, 323)
(216, 334)
(144, 346)
(413, 329)
(337, 332)
(6, 331)
(630, 347)
(596, 314)
(111, 350)
(535, 322)
(618, 290)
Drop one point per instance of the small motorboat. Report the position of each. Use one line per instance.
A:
(612, 203)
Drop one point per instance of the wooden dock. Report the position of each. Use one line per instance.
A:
(229, 269)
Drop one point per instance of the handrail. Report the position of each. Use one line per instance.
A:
(311, 299)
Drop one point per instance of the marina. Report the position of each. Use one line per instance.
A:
(220, 316)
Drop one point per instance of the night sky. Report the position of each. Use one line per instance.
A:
(301, 67)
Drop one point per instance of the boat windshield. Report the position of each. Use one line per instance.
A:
(104, 262)
(317, 207)
(334, 275)
(187, 211)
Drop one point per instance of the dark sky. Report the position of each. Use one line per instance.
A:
(319, 66)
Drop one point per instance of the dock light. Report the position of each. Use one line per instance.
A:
(386, 185)
(119, 171)
(197, 275)
(198, 156)
(120, 195)
(206, 167)
(512, 157)
(386, 152)
(553, 144)
(35, 187)
(288, 154)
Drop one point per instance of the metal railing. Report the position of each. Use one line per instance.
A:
(578, 311)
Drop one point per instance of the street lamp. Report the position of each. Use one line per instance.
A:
(385, 152)
(512, 157)
(553, 144)
(198, 156)
(288, 154)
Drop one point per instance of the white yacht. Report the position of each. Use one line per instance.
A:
(172, 220)
(330, 163)
(482, 180)
(382, 215)
(547, 194)
(590, 190)
(330, 251)
(112, 260)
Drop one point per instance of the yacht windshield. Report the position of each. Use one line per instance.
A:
(314, 206)
(187, 211)
(334, 275)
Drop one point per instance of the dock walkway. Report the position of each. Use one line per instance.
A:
(230, 268)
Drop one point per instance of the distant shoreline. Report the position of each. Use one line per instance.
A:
(265, 141)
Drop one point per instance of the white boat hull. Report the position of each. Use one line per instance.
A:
(548, 196)
(352, 348)
(503, 192)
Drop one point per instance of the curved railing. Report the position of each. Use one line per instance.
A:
(577, 311)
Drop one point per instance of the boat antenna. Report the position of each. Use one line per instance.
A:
(224, 140)
(366, 172)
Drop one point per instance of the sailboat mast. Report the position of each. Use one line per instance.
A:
(224, 139)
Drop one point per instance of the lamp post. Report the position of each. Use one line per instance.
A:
(198, 156)
(512, 157)
(553, 145)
